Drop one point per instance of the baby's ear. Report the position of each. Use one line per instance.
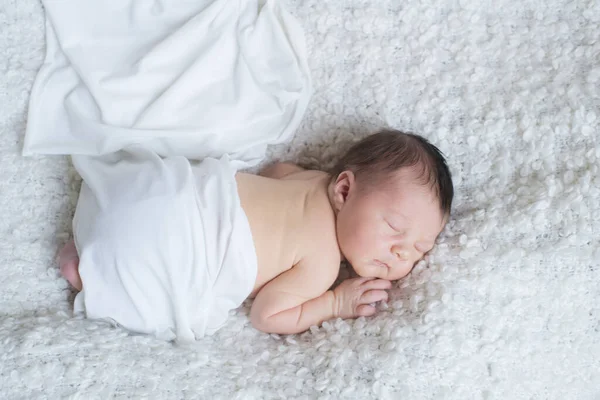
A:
(342, 187)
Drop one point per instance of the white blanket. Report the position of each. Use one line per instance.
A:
(165, 248)
(193, 78)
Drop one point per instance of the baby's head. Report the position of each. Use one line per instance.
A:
(392, 194)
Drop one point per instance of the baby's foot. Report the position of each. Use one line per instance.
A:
(68, 260)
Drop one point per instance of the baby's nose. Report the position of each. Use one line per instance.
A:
(403, 255)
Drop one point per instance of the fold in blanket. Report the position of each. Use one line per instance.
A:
(133, 89)
(192, 78)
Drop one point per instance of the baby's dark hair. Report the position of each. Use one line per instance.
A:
(380, 154)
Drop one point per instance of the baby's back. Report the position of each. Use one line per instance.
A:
(289, 218)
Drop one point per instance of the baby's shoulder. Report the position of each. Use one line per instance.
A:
(304, 175)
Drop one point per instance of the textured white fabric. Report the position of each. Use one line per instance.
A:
(165, 248)
(193, 78)
(507, 306)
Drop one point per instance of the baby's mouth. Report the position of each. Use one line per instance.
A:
(381, 264)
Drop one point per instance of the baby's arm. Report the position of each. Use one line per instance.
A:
(279, 170)
(295, 300)
(298, 298)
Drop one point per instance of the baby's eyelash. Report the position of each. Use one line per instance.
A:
(398, 231)
(392, 226)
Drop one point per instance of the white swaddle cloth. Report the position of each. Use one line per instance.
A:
(197, 78)
(165, 247)
(131, 87)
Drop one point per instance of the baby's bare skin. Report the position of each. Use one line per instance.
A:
(286, 212)
(303, 225)
(293, 228)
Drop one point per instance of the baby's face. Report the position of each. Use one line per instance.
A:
(384, 231)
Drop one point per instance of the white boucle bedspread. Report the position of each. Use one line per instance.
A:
(506, 307)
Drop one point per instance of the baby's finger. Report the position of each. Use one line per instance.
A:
(362, 280)
(373, 296)
(377, 284)
(365, 310)
(357, 282)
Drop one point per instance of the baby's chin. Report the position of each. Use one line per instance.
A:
(366, 271)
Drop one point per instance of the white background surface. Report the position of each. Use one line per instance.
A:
(506, 307)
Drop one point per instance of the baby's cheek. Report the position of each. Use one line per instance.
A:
(350, 244)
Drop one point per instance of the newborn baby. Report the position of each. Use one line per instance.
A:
(380, 209)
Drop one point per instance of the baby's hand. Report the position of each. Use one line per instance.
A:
(353, 297)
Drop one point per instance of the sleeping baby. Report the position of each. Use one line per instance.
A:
(277, 237)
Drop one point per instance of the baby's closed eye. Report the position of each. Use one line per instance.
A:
(395, 228)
